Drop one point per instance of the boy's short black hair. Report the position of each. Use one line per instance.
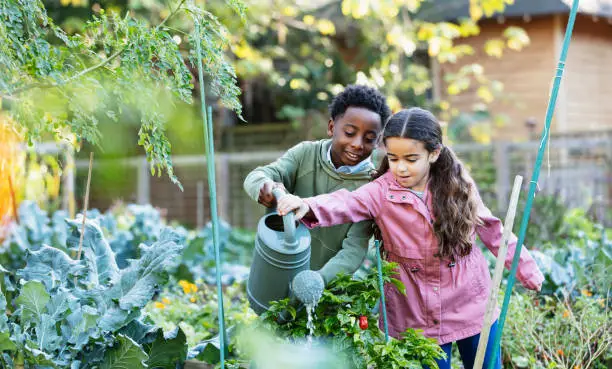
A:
(360, 96)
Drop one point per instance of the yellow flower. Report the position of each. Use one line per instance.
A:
(326, 27)
(600, 302)
(193, 299)
(185, 285)
(566, 314)
(586, 292)
(166, 301)
(188, 288)
(560, 352)
(309, 20)
(578, 366)
(159, 305)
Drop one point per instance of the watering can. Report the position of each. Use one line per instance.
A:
(282, 251)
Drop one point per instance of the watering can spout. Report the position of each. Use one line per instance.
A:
(307, 287)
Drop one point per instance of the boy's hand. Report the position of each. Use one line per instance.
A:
(266, 198)
(289, 203)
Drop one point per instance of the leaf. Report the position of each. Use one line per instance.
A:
(100, 259)
(140, 331)
(126, 354)
(517, 38)
(137, 283)
(521, 361)
(169, 351)
(6, 344)
(51, 266)
(208, 351)
(399, 285)
(485, 94)
(3, 317)
(81, 325)
(46, 334)
(494, 47)
(32, 300)
(59, 303)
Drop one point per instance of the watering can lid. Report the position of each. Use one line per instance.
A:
(275, 240)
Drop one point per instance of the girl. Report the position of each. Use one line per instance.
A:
(428, 211)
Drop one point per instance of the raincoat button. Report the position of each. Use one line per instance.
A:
(414, 269)
(435, 321)
(451, 264)
(435, 288)
(391, 196)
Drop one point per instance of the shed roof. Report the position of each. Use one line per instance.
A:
(439, 10)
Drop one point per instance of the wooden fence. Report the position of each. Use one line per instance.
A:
(580, 173)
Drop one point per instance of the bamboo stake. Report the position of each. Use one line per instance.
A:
(86, 204)
(497, 274)
(13, 199)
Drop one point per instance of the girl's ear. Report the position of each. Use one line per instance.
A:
(433, 156)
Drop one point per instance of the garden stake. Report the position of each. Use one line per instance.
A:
(382, 291)
(13, 199)
(86, 203)
(534, 178)
(497, 275)
(212, 189)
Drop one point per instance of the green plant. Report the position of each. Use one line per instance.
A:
(193, 308)
(337, 317)
(560, 333)
(125, 228)
(580, 255)
(117, 67)
(71, 313)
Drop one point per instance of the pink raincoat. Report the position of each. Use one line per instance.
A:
(446, 300)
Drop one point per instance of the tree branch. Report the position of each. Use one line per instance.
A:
(70, 79)
(94, 67)
(171, 15)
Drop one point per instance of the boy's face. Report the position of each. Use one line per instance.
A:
(354, 135)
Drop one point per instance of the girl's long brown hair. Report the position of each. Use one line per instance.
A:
(454, 204)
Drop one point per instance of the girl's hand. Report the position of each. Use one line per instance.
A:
(534, 284)
(289, 203)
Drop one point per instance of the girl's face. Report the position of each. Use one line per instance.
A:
(409, 161)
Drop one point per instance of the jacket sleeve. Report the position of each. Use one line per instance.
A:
(283, 169)
(344, 206)
(351, 255)
(490, 232)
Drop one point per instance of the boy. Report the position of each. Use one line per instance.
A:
(317, 167)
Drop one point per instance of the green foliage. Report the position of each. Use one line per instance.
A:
(193, 308)
(117, 67)
(576, 261)
(557, 333)
(124, 229)
(70, 313)
(336, 317)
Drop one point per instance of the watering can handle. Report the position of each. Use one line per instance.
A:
(288, 221)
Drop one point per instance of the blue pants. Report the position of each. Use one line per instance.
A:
(467, 350)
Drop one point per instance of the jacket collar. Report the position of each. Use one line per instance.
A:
(402, 194)
(364, 173)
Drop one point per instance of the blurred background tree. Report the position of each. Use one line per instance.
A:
(292, 56)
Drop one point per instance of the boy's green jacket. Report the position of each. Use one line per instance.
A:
(305, 172)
